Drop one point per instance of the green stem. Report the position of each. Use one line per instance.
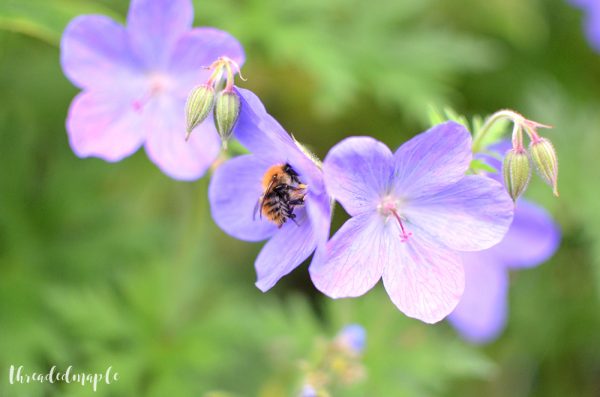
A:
(504, 114)
(230, 79)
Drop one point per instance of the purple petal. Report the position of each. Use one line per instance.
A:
(583, 3)
(358, 172)
(234, 190)
(261, 134)
(285, 251)
(531, 240)
(166, 145)
(592, 29)
(354, 258)
(432, 160)
(318, 208)
(95, 53)
(155, 26)
(591, 22)
(424, 280)
(257, 130)
(198, 49)
(481, 314)
(471, 215)
(104, 126)
(493, 157)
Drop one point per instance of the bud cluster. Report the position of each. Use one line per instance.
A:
(517, 164)
(214, 96)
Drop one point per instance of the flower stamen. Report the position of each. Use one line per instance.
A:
(387, 208)
(404, 235)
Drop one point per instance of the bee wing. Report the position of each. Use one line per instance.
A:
(258, 208)
(261, 201)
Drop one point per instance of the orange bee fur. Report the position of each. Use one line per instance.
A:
(282, 193)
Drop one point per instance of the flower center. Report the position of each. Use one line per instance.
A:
(158, 84)
(389, 208)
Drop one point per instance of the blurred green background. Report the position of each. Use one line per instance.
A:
(117, 265)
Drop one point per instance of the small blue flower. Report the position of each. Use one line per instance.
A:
(236, 187)
(353, 337)
(532, 239)
(308, 391)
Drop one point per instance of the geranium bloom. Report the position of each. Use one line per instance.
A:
(236, 188)
(592, 20)
(135, 81)
(411, 212)
(532, 238)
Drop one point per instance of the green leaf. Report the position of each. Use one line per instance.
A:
(494, 134)
(478, 166)
(437, 115)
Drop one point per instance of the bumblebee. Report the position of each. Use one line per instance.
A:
(282, 193)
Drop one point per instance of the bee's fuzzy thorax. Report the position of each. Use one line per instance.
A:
(282, 193)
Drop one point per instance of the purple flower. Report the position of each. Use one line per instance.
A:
(532, 239)
(592, 20)
(353, 337)
(411, 212)
(135, 81)
(236, 187)
(309, 391)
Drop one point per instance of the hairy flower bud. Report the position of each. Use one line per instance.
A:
(545, 161)
(227, 111)
(199, 104)
(516, 170)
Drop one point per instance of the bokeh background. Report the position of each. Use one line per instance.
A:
(118, 265)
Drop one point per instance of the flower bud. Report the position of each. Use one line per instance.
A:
(516, 170)
(545, 161)
(227, 111)
(199, 104)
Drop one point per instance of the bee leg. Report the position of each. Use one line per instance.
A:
(296, 202)
(280, 225)
(281, 188)
(298, 188)
(290, 214)
(293, 218)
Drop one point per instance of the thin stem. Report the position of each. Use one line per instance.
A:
(230, 79)
(533, 135)
(216, 75)
(517, 137)
(504, 114)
